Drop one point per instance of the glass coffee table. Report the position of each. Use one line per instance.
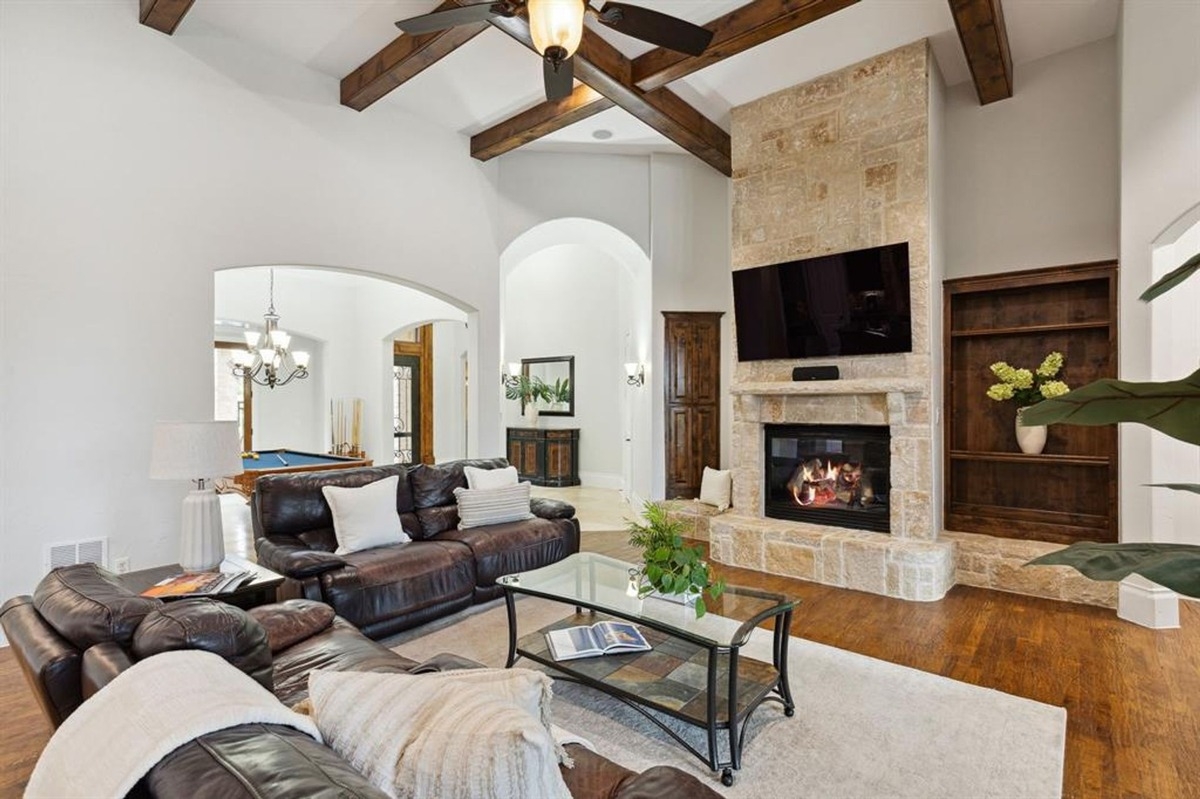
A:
(695, 671)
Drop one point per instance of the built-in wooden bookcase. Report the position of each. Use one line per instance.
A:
(1069, 492)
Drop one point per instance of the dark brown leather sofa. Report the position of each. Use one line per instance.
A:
(80, 629)
(388, 589)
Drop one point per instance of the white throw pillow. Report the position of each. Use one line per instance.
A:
(365, 517)
(715, 487)
(478, 507)
(460, 735)
(490, 478)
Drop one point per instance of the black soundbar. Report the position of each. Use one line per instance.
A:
(815, 373)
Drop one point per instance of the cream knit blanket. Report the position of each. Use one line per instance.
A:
(154, 707)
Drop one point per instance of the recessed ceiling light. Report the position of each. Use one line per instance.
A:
(601, 134)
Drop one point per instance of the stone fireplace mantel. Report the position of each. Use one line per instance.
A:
(816, 388)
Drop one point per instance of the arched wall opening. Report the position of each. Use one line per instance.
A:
(348, 320)
(1174, 353)
(582, 288)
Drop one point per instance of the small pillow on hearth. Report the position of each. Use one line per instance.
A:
(715, 487)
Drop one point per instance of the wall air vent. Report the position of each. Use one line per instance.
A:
(67, 553)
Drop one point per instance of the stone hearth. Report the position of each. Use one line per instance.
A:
(909, 563)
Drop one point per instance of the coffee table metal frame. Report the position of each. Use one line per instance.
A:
(738, 715)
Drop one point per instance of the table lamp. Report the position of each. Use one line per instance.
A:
(198, 451)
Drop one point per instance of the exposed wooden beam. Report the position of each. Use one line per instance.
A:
(984, 38)
(163, 15)
(538, 121)
(404, 58)
(604, 68)
(741, 29)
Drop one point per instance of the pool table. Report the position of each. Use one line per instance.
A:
(279, 461)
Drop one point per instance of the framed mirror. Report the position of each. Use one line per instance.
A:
(558, 376)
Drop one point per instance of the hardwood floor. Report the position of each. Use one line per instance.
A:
(1132, 695)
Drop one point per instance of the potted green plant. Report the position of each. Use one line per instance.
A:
(670, 567)
(560, 393)
(528, 390)
(1171, 407)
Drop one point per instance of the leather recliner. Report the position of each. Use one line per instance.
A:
(81, 629)
(391, 588)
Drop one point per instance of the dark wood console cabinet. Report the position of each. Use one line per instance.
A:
(545, 457)
(1069, 492)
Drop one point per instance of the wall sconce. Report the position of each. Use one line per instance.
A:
(509, 379)
(635, 374)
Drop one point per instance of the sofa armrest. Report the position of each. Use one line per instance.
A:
(551, 508)
(291, 558)
(50, 662)
(288, 623)
(659, 781)
(101, 664)
(444, 662)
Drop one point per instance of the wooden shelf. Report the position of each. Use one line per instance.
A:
(992, 488)
(1031, 460)
(1033, 329)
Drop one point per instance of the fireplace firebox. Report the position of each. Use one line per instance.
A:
(838, 475)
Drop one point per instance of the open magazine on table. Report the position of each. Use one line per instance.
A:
(601, 638)
(198, 583)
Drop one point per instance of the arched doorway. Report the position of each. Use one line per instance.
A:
(582, 288)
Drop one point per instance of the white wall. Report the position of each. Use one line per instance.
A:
(452, 344)
(1032, 181)
(1176, 332)
(133, 165)
(671, 206)
(938, 234)
(1160, 182)
(690, 253)
(567, 300)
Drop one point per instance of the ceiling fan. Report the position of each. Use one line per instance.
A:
(556, 27)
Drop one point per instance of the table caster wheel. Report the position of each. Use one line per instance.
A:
(727, 777)
(789, 711)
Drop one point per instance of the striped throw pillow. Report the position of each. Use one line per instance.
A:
(478, 507)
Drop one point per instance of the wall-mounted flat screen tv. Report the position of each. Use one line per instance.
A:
(851, 303)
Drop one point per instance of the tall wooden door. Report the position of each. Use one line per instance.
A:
(412, 396)
(692, 396)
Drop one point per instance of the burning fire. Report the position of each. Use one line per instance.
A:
(822, 483)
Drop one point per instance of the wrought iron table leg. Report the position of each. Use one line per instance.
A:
(783, 626)
(735, 753)
(510, 606)
(712, 709)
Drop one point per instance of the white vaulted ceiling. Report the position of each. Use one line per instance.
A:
(492, 77)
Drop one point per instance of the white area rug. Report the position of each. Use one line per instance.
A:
(863, 729)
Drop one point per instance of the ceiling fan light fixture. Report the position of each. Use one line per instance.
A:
(556, 24)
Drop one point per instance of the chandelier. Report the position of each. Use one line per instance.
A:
(267, 360)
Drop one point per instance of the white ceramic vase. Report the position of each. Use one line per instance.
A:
(1031, 439)
(531, 414)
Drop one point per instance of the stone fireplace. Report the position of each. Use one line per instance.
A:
(837, 164)
(837, 475)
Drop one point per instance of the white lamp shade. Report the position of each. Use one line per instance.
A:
(195, 450)
(301, 359)
(631, 369)
(514, 369)
(280, 339)
(555, 23)
(243, 357)
(252, 337)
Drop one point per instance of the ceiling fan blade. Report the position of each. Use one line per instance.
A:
(440, 20)
(655, 27)
(559, 77)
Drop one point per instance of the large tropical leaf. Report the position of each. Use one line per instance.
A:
(1172, 278)
(1195, 489)
(1173, 566)
(1170, 407)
